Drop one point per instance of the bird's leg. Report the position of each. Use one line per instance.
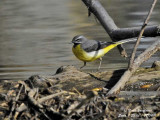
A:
(83, 65)
(100, 63)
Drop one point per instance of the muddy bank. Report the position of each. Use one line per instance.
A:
(69, 77)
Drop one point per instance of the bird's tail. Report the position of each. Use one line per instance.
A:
(126, 40)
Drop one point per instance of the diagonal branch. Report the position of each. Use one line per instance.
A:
(137, 62)
(141, 33)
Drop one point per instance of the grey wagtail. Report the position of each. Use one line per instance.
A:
(90, 50)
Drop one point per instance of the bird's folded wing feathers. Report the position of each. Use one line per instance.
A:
(93, 45)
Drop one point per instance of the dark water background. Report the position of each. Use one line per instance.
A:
(34, 34)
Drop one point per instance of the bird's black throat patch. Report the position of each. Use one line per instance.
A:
(75, 44)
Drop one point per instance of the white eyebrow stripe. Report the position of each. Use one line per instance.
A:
(79, 37)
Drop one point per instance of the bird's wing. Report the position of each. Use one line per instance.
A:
(93, 45)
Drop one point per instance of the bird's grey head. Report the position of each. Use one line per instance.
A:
(79, 39)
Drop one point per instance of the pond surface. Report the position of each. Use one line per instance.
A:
(35, 34)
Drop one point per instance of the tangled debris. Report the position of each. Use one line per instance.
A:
(37, 98)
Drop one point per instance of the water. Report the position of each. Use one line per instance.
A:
(34, 34)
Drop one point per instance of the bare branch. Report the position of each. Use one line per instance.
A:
(111, 28)
(140, 34)
(125, 33)
(137, 62)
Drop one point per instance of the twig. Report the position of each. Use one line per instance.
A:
(77, 91)
(35, 103)
(41, 100)
(141, 33)
(45, 114)
(14, 103)
(31, 99)
(81, 105)
(26, 88)
(21, 108)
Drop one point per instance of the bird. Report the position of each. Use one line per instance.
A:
(90, 50)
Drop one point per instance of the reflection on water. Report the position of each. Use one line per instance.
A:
(34, 34)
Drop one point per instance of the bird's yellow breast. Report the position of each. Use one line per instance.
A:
(91, 56)
(80, 53)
